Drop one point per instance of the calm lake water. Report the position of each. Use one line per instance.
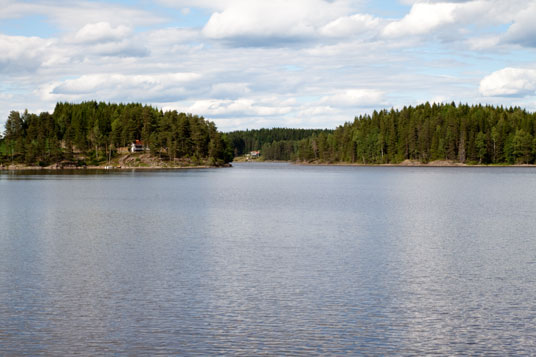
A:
(269, 259)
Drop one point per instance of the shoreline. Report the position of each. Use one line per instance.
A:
(199, 167)
(402, 164)
(122, 162)
(107, 168)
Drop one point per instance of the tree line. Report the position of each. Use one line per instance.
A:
(467, 134)
(244, 141)
(92, 132)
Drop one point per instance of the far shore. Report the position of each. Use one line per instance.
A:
(405, 163)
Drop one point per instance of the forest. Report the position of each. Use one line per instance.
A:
(244, 141)
(429, 132)
(90, 133)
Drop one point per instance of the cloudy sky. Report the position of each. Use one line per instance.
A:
(265, 63)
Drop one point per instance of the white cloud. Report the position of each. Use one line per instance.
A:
(422, 18)
(103, 39)
(484, 43)
(509, 82)
(235, 108)
(115, 86)
(355, 98)
(459, 19)
(316, 110)
(101, 32)
(246, 20)
(440, 99)
(71, 15)
(307, 63)
(350, 25)
(20, 53)
(523, 30)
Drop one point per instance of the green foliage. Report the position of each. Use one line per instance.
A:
(463, 133)
(94, 131)
(244, 141)
(523, 150)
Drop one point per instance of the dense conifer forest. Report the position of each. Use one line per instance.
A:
(466, 134)
(244, 141)
(91, 132)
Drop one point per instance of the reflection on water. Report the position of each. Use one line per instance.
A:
(269, 258)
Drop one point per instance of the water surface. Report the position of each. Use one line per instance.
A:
(269, 259)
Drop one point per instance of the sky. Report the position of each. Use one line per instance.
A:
(267, 63)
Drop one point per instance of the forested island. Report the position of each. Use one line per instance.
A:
(97, 134)
(428, 133)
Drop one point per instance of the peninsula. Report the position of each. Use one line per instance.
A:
(102, 135)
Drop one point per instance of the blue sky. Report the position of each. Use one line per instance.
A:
(255, 63)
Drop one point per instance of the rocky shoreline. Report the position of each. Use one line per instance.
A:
(123, 162)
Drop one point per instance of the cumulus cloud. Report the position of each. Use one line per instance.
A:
(256, 22)
(523, 30)
(350, 25)
(483, 43)
(355, 98)
(265, 23)
(242, 107)
(104, 39)
(422, 18)
(316, 110)
(23, 53)
(112, 86)
(516, 82)
(101, 32)
(264, 63)
(459, 19)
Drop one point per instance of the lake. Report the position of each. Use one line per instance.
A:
(270, 259)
